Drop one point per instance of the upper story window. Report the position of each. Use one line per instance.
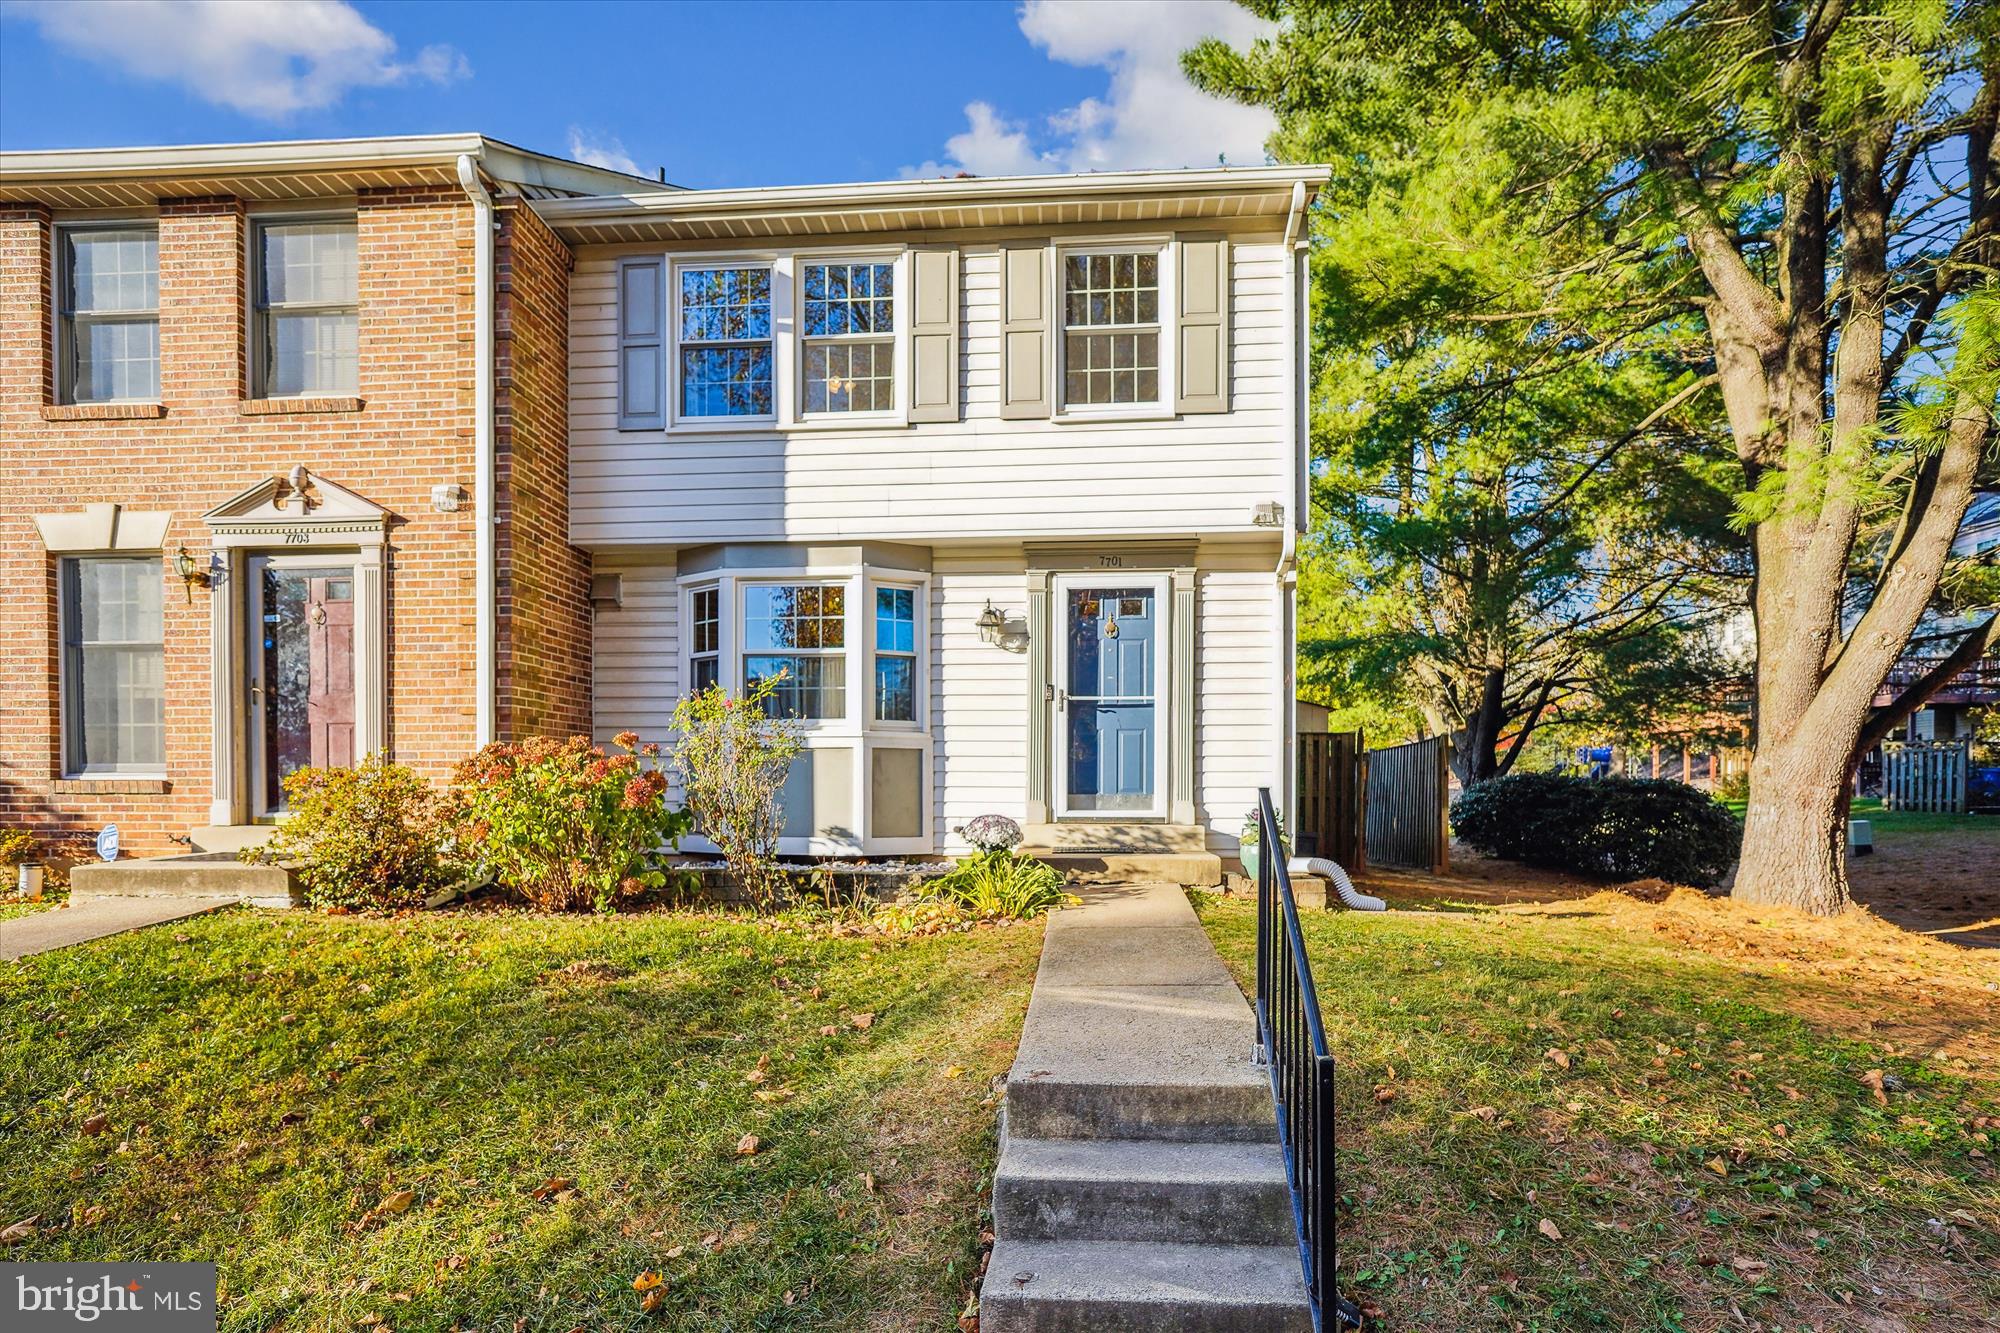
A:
(895, 655)
(109, 330)
(306, 311)
(801, 630)
(114, 670)
(849, 327)
(704, 639)
(1111, 328)
(725, 342)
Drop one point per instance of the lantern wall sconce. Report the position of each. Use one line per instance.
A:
(992, 624)
(192, 573)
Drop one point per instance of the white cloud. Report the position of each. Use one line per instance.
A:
(1150, 116)
(261, 57)
(607, 153)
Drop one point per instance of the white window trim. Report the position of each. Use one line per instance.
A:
(781, 323)
(1163, 410)
(919, 674)
(70, 771)
(61, 325)
(899, 340)
(256, 317)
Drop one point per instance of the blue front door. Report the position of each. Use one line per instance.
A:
(1112, 709)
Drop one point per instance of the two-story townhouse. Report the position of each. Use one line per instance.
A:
(315, 450)
(1004, 475)
(282, 472)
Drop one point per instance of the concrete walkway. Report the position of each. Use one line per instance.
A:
(1140, 1183)
(90, 918)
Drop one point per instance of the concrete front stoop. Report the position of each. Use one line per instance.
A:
(197, 874)
(1140, 1185)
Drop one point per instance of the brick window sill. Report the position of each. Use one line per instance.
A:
(111, 786)
(102, 411)
(288, 407)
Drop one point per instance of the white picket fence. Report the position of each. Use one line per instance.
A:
(1925, 775)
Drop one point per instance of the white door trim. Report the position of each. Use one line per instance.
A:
(1161, 585)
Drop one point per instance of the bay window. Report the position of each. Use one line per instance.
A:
(726, 364)
(108, 330)
(895, 655)
(799, 629)
(113, 666)
(1111, 328)
(704, 639)
(848, 328)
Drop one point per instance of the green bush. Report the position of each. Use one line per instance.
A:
(564, 823)
(1615, 828)
(732, 757)
(999, 883)
(360, 838)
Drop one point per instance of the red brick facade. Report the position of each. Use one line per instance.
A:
(410, 428)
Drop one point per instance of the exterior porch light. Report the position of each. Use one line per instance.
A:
(991, 624)
(191, 573)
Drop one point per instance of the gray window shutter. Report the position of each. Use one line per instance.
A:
(642, 378)
(1024, 331)
(1201, 335)
(934, 333)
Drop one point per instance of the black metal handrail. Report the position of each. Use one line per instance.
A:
(1294, 1048)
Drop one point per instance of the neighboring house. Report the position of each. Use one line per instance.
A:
(1003, 475)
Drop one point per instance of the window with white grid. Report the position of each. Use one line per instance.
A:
(114, 669)
(799, 629)
(725, 342)
(307, 309)
(1111, 328)
(704, 639)
(848, 324)
(109, 326)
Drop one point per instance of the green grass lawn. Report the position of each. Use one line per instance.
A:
(563, 1099)
(1705, 1151)
(19, 907)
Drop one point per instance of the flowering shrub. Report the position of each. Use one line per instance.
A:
(565, 823)
(732, 760)
(360, 837)
(992, 833)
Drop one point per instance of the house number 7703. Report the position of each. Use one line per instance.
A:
(297, 538)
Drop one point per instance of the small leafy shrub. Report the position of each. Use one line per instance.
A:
(992, 833)
(18, 847)
(564, 823)
(999, 883)
(1614, 828)
(732, 760)
(365, 837)
(1735, 787)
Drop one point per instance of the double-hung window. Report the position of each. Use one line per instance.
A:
(726, 364)
(114, 671)
(704, 639)
(307, 309)
(895, 655)
(849, 332)
(109, 330)
(799, 629)
(1111, 328)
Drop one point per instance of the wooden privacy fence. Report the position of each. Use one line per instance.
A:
(1409, 805)
(1333, 773)
(1925, 775)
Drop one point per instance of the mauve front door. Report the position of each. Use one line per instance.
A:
(303, 679)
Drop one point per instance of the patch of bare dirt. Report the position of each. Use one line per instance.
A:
(1944, 883)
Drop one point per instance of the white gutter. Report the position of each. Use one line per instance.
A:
(484, 612)
(1284, 685)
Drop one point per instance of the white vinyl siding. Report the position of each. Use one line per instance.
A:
(972, 477)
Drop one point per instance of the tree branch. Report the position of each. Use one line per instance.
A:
(1886, 718)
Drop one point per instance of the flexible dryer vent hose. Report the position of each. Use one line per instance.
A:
(1342, 885)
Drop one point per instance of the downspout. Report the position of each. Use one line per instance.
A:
(1283, 685)
(484, 612)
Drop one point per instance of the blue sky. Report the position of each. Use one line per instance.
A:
(717, 94)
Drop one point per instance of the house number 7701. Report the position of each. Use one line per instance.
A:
(1111, 562)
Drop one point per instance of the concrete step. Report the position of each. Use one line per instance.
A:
(1108, 836)
(230, 837)
(1200, 869)
(201, 875)
(1111, 1189)
(1043, 1286)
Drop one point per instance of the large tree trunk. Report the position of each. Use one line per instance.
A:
(1795, 832)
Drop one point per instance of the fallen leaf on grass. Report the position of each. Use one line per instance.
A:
(1717, 1165)
(772, 1094)
(19, 1231)
(1384, 1093)
(954, 1071)
(399, 1202)
(1487, 1113)
(1557, 1056)
(747, 1146)
(1549, 1228)
(646, 1281)
(863, 1021)
(554, 1190)
(828, 1030)
(1872, 1080)
(1750, 1268)
(95, 1124)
